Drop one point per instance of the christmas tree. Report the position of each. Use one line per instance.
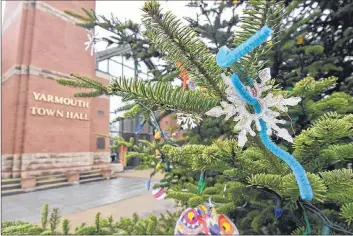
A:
(245, 179)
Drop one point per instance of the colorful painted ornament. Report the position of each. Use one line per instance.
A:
(206, 221)
(159, 193)
(191, 85)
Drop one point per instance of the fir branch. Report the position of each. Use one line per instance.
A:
(180, 43)
(162, 95)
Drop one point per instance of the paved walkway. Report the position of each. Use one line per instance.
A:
(120, 197)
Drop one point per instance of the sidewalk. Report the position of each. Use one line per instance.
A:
(119, 197)
(143, 205)
(139, 174)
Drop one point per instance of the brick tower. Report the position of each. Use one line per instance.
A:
(45, 129)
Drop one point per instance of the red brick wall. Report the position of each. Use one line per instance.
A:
(54, 134)
(46, 41)
(8, 121)
(60, 48)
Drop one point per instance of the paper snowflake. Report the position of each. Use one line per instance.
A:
(237, 108)
(187, 121)
(92, 38)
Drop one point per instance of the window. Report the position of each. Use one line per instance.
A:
(118, 59)
(127, 126)
(129, 63)
(103, 66)
(129, 73)
(100, 143)
(115, 69)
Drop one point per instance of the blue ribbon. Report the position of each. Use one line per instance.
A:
(225, 58)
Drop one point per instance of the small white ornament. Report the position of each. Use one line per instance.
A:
(187, 121)
(92, 38)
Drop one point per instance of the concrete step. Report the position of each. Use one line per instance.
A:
(10, 186)
(90, 172)
(11, 192)
(51, 181)
(10, 181)
(52, 185)
(90, 180)
(13, 186)
(93, 175)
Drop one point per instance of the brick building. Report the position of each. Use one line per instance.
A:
(45, 129)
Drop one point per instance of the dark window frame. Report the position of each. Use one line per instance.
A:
(100, 143)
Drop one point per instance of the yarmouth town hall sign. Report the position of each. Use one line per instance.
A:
(38, 111)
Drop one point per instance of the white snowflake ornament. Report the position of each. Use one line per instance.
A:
(236, 107)
(187, 121)
(92, 38)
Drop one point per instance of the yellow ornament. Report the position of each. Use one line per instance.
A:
(270, 43)
(300, 40)
(235, 2)
(157, 135)
(157, 152)
(158, 166)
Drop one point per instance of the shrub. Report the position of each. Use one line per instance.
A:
(22, 229)
(54, 219)
(45, 213)
(66, 226)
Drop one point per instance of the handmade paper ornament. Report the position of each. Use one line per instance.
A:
(188, 121)
(166, 167)
(148, 184)
(206, 221)
(159, 193)
(191, 85)
(157, 152)
(158, 166)
(202, 183)
(278, 212)
(157, 135)
(300, 40)
(140, 127)
(184, 74)
(92, 38)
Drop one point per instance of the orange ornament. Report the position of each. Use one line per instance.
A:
(300, 40)
(184, 74)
